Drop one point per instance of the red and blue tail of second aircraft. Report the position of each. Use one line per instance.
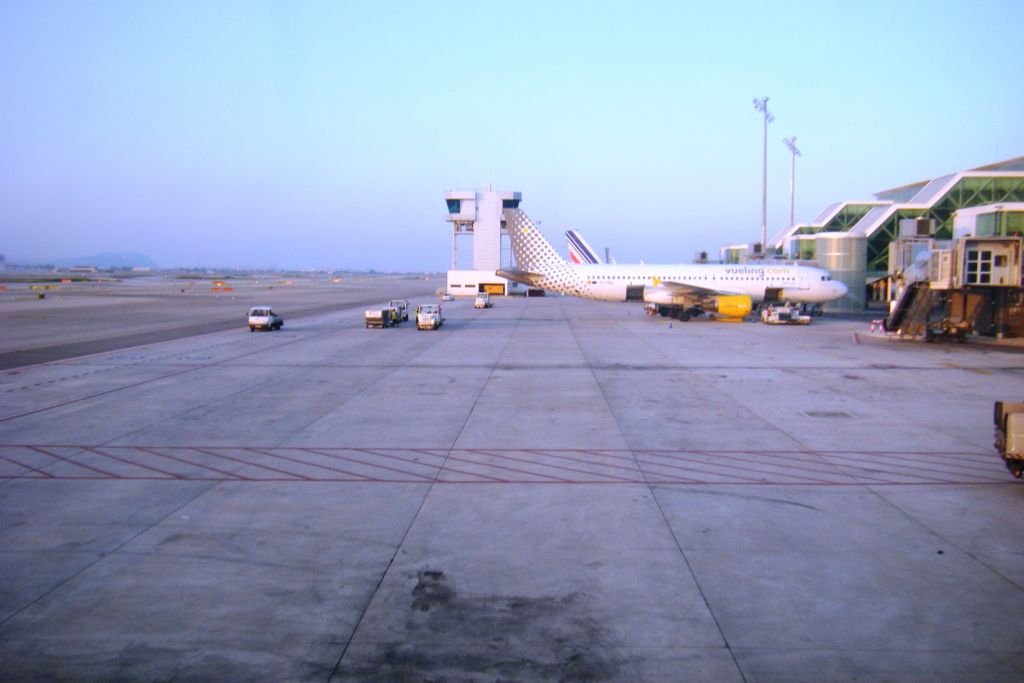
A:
(579, 251)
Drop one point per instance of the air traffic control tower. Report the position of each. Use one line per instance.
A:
(477, 215)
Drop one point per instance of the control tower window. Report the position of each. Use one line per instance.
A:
(454, 205)
(510, 203)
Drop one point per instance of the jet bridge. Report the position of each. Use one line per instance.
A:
(948, 288)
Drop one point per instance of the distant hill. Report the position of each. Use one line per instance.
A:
(126, 259)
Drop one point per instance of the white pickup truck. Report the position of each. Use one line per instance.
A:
(264, 318)
(402, 306)
(428, 317)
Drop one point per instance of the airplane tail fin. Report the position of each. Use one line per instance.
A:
(535, 254)
(579, 250)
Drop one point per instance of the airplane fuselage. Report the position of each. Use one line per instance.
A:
(799, 284)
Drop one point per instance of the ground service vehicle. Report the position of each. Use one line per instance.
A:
(1009, 419)
(384, 316)
(264, 318)
(428, 317)
(779, 314)
(447, 297)
(402, 306)
(483, 300)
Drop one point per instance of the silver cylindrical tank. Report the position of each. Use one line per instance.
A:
(846, 257)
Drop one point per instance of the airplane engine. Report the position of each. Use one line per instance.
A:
(733, 305)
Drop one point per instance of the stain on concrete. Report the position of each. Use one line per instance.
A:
(455, 638)
(431, 590)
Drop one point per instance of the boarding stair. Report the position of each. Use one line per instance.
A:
(909, 318)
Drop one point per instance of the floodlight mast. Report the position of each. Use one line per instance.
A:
(762, 106)
(791, 144)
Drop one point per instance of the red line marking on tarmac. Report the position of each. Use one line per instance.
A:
(646, 464)
(172, 475)
(955, 455)
(311, 464)
(976, 463)
(542, 453)
(701, 470)
(361, 477)
(134, 477)
(745, 469)
(369, 451)
(46, 475)
(560, 467)
(730, 456)
(488, 478)
(39, 449)
(426, 451)
(436, 468)
(448, 468)
(659, 482)
(253, 464)
(194, 464)
(509, 469)
(917, 465)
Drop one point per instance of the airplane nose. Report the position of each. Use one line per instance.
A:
(841, 289)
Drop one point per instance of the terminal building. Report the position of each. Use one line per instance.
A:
(477, 216)
(851, 238)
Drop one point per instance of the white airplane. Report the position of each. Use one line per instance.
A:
(678, 290)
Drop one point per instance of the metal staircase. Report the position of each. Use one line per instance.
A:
(910, 316)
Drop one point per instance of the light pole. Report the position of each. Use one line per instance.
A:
(762, 106)
(791, 144)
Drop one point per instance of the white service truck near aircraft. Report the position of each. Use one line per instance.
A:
(428, 317)
(264, 318)
(679, 290)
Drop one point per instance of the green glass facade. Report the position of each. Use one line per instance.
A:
(967, 192)
(932, 199)
(847, 217)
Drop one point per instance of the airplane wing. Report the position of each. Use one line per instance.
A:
(523, 276)
(667, 292)
(684, 289)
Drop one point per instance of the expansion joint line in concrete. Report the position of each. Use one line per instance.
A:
(110, 552)
(929, 529)
(664, 516)
(168, 375)
(876, 491)
(423, 501)
(248, 390)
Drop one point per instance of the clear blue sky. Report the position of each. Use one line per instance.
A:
(322, 135)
